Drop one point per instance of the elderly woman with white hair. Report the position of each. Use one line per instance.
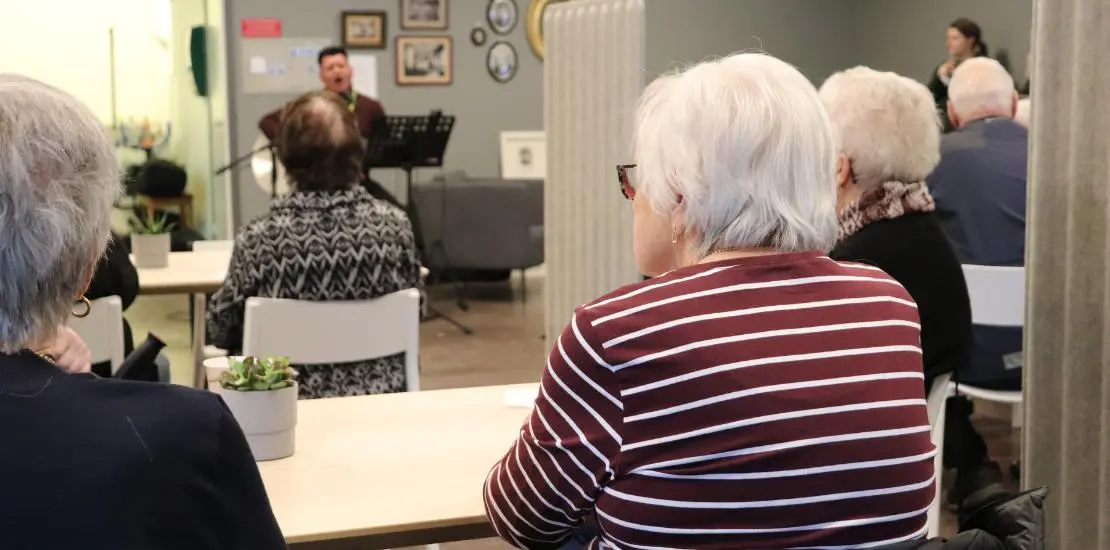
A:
(90, 462)
(755, 393)
(889, 136)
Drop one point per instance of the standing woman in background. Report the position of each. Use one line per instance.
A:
(964, 41)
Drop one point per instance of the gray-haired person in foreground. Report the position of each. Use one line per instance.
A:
(91, 462)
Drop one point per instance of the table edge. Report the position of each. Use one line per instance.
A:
(414, 529)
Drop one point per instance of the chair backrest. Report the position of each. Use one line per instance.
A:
(937, 397)
(997, 295)
(337, 332)
(102, 331)
(212, 246)
(935, 401)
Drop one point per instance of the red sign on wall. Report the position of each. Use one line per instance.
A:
(261, 27)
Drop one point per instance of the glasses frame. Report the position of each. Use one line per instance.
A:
(626, 188)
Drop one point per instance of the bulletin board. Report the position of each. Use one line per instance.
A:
(281, 65)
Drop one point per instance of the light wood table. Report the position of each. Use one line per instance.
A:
(388, 471)
(196, 274)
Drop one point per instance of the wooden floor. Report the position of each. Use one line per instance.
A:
(506, 347)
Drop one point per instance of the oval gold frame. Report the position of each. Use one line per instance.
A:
(534, 24)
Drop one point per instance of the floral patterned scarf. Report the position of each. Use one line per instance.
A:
(885, 202)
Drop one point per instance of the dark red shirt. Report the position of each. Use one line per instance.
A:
(366, 110)
(758, 403)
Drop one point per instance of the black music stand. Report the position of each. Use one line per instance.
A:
(408, 143)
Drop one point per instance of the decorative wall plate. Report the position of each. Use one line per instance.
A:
(478, 36)
(501, 61)
(502, 16)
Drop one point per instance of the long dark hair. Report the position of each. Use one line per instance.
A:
(971, 29)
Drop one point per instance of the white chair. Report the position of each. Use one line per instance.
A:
(935, 402)
(997, 300)
(341, 332)
(213, 246)
(102, 331)
(337, 332)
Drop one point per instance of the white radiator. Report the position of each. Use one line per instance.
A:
(593, 75)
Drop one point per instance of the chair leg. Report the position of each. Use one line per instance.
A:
(192, 314)
(523, 287)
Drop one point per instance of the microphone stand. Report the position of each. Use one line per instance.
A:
(243, 159)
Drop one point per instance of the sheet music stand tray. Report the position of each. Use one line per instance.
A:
(408, 143)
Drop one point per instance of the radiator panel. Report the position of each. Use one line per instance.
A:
(593, 75)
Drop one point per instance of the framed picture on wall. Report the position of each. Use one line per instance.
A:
(534, 25)
(424, 61)
(524, 155)
(424, 14)
(363, 29)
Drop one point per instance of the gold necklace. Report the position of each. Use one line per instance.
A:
(45, 357)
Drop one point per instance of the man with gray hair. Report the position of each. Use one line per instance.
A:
(979, 184)
(979, 189)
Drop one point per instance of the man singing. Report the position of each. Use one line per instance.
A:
(335, 73)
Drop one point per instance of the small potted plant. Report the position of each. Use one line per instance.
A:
(150, 241)
(262, 394)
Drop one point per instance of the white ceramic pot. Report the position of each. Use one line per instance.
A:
(268, 418)
(214, 368)
(151, 251)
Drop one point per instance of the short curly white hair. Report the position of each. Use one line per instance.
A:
(885, 123)
(746, 144)
(58, 179)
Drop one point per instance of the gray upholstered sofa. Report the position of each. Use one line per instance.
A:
(480, 223)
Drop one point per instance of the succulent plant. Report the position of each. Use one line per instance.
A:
(258, 374)
(151, 224)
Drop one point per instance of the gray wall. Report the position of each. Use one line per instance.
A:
(823, 36)
(907, 36)
(814, 35)
(484, 107)
(818, 36)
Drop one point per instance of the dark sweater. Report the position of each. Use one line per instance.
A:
(915, 251)
(97, 463)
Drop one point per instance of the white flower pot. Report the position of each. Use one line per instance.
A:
(268, 418)
(215, 367)
(151, 251)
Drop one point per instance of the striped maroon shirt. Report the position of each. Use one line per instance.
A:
(757, 403)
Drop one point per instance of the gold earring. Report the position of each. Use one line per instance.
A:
(84, 303)
(674, 236)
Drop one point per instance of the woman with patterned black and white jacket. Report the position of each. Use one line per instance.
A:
(328, 239)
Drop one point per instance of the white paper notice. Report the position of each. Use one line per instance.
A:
(365, 67)
(258, 65)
